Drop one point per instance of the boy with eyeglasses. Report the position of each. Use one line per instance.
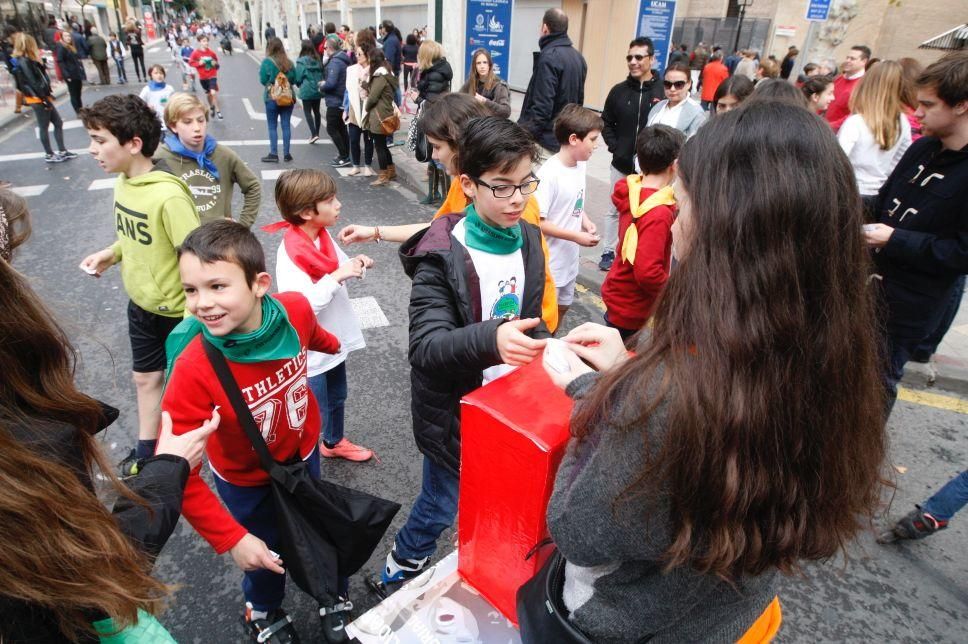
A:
(625, 115)
(561, 198)
(475, 307)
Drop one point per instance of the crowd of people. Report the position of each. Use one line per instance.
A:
(711, 406)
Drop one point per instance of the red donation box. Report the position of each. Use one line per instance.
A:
(513, 435)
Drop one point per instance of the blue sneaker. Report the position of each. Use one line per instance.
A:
(396, 572)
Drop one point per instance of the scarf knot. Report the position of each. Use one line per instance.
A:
(203, 158)
(481, 235)
(662, 197)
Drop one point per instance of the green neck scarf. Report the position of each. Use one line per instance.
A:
(490, 239)
(276, 339)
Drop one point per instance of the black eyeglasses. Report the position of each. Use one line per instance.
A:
(676, 84)
(629, 58)
(507, 191)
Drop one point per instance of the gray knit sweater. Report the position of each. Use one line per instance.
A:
(614, 584)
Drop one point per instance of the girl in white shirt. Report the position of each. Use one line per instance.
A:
(309, 262)
(877, 133)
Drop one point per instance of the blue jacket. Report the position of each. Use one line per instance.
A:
(335, 84)
(392, 51)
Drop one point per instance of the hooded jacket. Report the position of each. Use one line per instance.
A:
(449, 344)
(309, 74)
(924, 201)
(435, 80)
(558, 79)
(213, 197)
(153, 214)
(626, 113)
(335, 84)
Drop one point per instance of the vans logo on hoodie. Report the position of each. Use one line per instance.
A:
(132, 224)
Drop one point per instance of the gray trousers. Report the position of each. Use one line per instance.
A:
(610, 225)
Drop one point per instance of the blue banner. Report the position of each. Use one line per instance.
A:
(489, 27)
(818, 10)
(655, 21)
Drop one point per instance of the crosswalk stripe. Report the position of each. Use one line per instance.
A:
(102, 184)
(256, 115)
(271, 175)
(368, 312)
(30, 191)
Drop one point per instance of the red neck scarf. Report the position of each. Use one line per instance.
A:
(315, 262)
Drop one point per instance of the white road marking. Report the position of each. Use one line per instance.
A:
(961, 328)
(73, 124)
(102, 184)
(368, 312)
(261, 116)
(30, 191)
(344, 172)
(272, 175)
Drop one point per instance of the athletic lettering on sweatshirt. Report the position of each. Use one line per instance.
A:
(132, 224)
(207, 192)
(266, 405)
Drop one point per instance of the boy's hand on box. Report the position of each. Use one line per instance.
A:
(600, 346)
(515, 347)
(251, 553)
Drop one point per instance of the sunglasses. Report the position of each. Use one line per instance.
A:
(676, 84)
(629, 58)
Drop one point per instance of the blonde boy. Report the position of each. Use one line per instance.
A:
(209, 168)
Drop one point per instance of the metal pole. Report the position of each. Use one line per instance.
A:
(379, 18)
(739, 27)
(439, 21)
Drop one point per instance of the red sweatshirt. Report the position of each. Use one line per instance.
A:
(839, 108)
(197, 60)
(278, 394)
(630, 290)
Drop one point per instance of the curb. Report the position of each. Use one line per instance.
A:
(948, 377)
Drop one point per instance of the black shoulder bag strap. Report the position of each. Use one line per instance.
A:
(242, 410)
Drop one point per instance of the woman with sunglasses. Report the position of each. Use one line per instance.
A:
(678, 110)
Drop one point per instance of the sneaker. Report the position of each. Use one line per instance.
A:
(605, 263)
(276, 627)
(313, 139)
(67, 154)
(53, 158)
(342, 163)
(916, 524)
(347, 450)
(219, 116)
(396, 572)
(212, 110)
(270, 158)
(130, 466)
(334, 619)
(288, 157)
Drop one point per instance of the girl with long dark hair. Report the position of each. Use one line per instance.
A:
(731, 92)
(485, 86)
(309, 73)
(277, 62)
(71, 67)
(819, 92)
(72, 569)
(354, 115)
(733, 446)
(381, 89)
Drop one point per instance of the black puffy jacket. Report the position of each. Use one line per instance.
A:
(161, 482)
(435, 80)
(558, 79)
(626, 114)
(449, 344)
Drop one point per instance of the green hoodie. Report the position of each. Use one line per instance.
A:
(153, 214)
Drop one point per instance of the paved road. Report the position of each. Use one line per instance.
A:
(910, 593)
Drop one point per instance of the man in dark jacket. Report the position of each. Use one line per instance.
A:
(391, 46)
(920, 238)
(626, 113)
(99, 55)
(332, 88)
(557, 80)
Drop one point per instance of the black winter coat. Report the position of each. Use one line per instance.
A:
(449, 344)
(435, 80)
(626, 114)
(70, 63)
(31, 78)
(161, 482)
(558, 79)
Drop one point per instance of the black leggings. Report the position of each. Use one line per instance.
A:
(138, 56)
(313, 118)
(337, 131)
(355, 134)
(383, 156)
(46, 115)
(74, 87)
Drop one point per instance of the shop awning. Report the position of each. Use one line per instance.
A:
(954, 39)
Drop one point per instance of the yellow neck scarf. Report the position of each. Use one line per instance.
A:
(661, 197)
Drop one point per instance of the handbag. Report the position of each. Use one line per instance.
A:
(391, 124)
(417, 140)
(542, 615)
(326, 531)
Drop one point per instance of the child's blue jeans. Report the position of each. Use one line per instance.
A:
(432, 512)
(330, 391)
(253, 507)
(949, 499)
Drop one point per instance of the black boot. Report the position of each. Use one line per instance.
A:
(432, 194)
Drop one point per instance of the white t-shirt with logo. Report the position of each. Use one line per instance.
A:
(502, 287)
(561, 200)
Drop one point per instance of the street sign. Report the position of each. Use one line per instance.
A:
(818, 10)
(655, 21)
(489, 27)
